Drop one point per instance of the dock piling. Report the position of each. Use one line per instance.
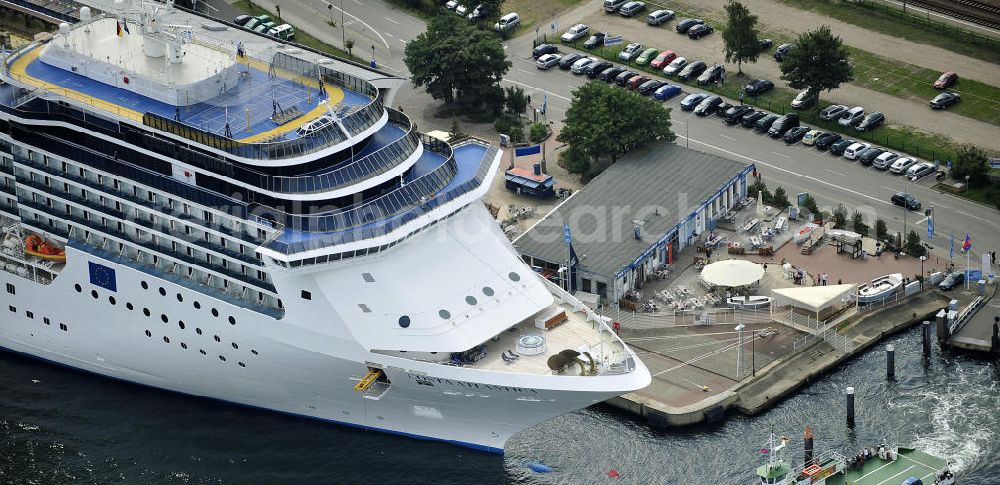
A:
(927, 338)
(890, 362)
(850, 406)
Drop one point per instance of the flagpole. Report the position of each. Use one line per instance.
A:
(967, 252)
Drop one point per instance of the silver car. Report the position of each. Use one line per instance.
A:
(548, 61)
(675, 66)
(575, 32)
(901, 165)
(581, 65)
(630, 51)
(883, 161)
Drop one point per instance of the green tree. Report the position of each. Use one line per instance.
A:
(819, 62)
(606, 122)
(740, 42)
(349, 44)
(810, 205)
(538, 132)
(913, 246)
(858, 223)
(456, 61)
(455, 132)
(780, 199)
(516, 100)
(881, 230)
(839, 217)
(971, 161)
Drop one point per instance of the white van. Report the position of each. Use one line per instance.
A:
(282, 32)
(507, 22)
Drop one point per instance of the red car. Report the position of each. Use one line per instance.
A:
(946, 80)
(661, 61)
(636, 81)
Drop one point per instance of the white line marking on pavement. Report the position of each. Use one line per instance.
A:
(522, 70)
(888, 188)
(402, 40)
(362, 23)
(677, 121)
(727, 137)
(780, 155)
(836, 173)
(538, 89)
(976, 217)
(388, 35)
(392, 20)
(358, 2)
(921, 221)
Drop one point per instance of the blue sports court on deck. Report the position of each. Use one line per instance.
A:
(256, 90)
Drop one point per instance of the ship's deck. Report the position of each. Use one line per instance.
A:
(247, 107)
(910, 463)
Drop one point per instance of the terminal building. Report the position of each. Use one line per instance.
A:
(634, 217)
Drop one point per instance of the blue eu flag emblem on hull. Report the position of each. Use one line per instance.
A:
(103, 276)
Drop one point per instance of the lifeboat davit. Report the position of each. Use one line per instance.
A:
(35, 246)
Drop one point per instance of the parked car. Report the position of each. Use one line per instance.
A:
(699, 31)
(721, 109)
(242, 19)
(462, 10)
(826, 140)
(764, 124)
(919, 170)
(869, 156)
(595, 41)
(451, 4)
(708, 106)
(871, 121)
(750, 119)
(783, 124)
(852, 116)
(854, 151)
(735, 113)
(610, 74)
(712, 75)
(631, 8)
(692, 70)
(568, 60)
(782, 51)
(480, 12)
(758, 87)
(952, 281)
(684, 25)
(944, 100)
(804, 99)
(630, 52)
(548, 61)
(542, 49)
(314, 126)
(946, 80)
(663, 59)
(667, 91)
(884, 160)
(646, 56)
(580, 66)
(575, 33)
(675, 66)
(793, 135)
(692, 101)
(637, 81)
(623, 77)
(902, 164)
(594, 69)
(905, 200)
(648, 87)
(832, 112)
(840, 146)
(765, 44)
(658, 17)
(507, 22)
(810, 138)
(612, 6)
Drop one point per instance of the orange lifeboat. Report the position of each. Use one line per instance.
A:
(35, 246)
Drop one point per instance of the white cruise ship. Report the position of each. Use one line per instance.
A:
(198, 208)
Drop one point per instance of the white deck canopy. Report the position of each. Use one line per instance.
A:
(814, 298)
(732, 272)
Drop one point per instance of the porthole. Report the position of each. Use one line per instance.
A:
(471, 300)
(166, 339)
(487, 291)
(129, 306)
(404, 321)
(215, 312)
(148, 333)
(241, 364)
(112, 301)
(78, 288)
(180, 297)
(222, 358)
(197, 331)
(445, 314)
(180, 323)
(197, 305)
(163, 292)
(217, 339)
(514, 276)
(145, 311)
(144, 285)
(164, 318)
(184, 345)
(202, 351)
(232, 320)
(94, 294)
(254, 352)
(236, 346)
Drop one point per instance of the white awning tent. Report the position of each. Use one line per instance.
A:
(732, 272)
(813, 298)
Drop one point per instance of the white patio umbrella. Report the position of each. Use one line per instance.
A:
(732, 272)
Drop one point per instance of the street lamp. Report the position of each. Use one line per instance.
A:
(739, 349)
(922, 276)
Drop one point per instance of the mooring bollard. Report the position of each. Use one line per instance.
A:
(890, 362)
(927, 338)
(850, 406)
(808, 447)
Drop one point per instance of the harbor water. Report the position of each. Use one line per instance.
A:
(59, 426)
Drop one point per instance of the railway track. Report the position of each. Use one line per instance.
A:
(985, 13)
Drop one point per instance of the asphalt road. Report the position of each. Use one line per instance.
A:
(830, 180)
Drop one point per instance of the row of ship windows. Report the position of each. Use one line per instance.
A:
(31, 316)
(184, 346)
(404, 321)
(145, 311)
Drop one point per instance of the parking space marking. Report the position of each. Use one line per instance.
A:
(538, 89)
(392, 20)
(836, 173)
(727, 137)
(388, 34)
(976, 217)
(780, 155)
(522, 70)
